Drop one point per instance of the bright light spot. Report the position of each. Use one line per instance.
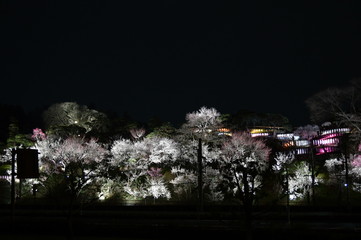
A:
(302, 143)
(259, 134)
(102, 198)
(258, 130)
(286, 136)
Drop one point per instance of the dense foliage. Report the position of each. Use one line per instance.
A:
(81, 160)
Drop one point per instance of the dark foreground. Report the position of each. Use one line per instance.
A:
(177, 222)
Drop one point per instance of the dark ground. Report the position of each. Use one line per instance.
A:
(177, 222)
(33, 219)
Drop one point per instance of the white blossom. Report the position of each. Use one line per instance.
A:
(158, 189)
(203, 119)
(282, 160)
(74, 158)
(244, 159)
(300, 182)
(331, 164)
(136, 158)
(162, 150)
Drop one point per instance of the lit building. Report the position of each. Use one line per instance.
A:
(327, 141)
(224, 131)
(266, 131)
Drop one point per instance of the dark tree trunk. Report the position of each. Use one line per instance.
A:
(247, 204)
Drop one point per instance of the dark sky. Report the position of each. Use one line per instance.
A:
(168, 58)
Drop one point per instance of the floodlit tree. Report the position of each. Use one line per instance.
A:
(202, 123)
(76, 160)
(184, 181)
(38, 134)
(243, 160)
(165, 130)
(344, 169)
(157, 184)
(339, 105)
(283, 163)
(72, 118)
(335, 168)
(137, 133)
(309, 132)
(301, 181)
(355, 170)
(185, 173)
(129, 158)
(16, 139)
(213, 181)
(339, 174)
(141, 162)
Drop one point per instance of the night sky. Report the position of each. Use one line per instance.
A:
(168, 58)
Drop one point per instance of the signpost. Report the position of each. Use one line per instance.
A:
(27, 163)
(27, 167)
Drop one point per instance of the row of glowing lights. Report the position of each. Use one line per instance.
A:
(290, 136)
(325, 132)
(326, 143)
(266, 132)
(319, 151)
(329, 138)
(335, 131)
(319, 142)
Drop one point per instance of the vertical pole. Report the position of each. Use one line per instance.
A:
(344, 148)
(12, 191)
(288, 198)
(200, 175)
(347, 181)
(312, 173)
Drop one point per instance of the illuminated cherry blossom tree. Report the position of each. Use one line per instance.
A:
(307, 132)
(185, 171)
(157, 184)
(355, 170)
(129, 158)
(243, 160)
(184, 181)
(38, 134)
(142, 162)
(76, 160)
(335, 169)
(283, 161)
(200, 134)
(300, 181)
(202, 123)
(282, 165)
(344, 169)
